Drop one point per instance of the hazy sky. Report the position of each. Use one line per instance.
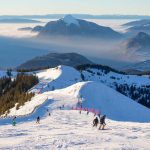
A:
(20, 7)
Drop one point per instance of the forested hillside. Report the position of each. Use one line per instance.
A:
(14, 91)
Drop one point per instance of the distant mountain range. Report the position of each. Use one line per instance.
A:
(138, 68)
(138, 23)
(18, 20)
(25, 29)
(53, 60)
(143, 28)
(35, 29)
(81, 16)
(70, 26)
(138, 26)
(140, 43)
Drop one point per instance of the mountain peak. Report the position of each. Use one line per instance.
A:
(70, 26)
(142, 35)
(69, 19)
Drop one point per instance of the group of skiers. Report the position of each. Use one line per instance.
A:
(99, 120)
(37, 119)
(61, 107)
(14, 120)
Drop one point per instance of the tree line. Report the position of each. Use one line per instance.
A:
(15, 91)
(139, 94)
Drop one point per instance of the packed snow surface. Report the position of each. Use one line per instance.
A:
(66, 128)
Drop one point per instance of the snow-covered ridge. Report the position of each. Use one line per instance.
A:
(69, 19)
(115, 105)
(56, 78)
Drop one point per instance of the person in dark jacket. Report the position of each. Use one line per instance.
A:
(87, 112)
(102, 122)
(38, 120)
(80, 112)
(95, 122)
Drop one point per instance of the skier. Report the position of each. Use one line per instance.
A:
(87, 112)
(49, 114)
(95, 121)
(102, 122)
(14, 121)
(38, 120)
(63, 106)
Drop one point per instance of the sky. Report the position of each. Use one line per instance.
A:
(98, 7)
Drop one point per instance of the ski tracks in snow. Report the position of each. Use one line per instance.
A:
(69, 130)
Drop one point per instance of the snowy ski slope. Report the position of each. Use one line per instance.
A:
(67, 129)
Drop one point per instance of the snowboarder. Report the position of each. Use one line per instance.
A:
(95, 121)
(14, 121)
(49, 114)
(87, 112)
(38, 120)
(102, 122)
